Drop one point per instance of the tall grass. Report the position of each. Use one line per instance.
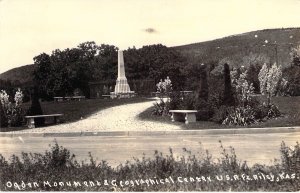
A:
(58, 170)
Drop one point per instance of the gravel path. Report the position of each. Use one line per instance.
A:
(119, 118)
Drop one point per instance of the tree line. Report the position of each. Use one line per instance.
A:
(61, 72)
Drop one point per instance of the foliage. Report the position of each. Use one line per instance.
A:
(164, 87)
(240, 116)
(271, 81)
(59, 165)
(165, 90)
(203, 85)
(228, 95)
(292, 75)
(161, 108)
(155, 62)
(63, 71)
(244, 89)
(13, 112)
(290, 157)
(295, 53)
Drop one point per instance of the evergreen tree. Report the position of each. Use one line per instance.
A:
(228, 95)
(203, 88)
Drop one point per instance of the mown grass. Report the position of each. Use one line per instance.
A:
(288, 106)
(226, 174)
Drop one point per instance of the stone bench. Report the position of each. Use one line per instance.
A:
(188, 116)
(78, 97)
(106, 96)
(31, 123)
(60, 99)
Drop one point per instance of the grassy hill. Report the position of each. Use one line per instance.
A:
(237, 50)
(20, 75)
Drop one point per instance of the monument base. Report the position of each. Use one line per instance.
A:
(122, 86)
(122, 89)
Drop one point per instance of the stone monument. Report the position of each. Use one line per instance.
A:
(122, 89)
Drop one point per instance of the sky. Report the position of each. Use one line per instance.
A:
(31, 27)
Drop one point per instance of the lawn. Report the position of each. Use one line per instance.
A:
(288, 106)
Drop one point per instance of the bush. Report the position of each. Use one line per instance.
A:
(161, 108)
(263, 112)
(290, 157)
(242, 116)
(12, 112)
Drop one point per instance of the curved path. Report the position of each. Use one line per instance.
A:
(119, 118)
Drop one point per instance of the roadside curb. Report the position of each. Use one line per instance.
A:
(237, 131)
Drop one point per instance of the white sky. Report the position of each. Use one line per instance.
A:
(30, 27)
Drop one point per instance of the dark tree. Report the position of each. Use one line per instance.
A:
(36, 108)
(203, 87)
(228, 95)
(3, 118)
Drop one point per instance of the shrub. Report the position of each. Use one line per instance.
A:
(242, 116)
(263, 112)
(161, 108)
(273, 111)
(12, 112)
(290, 157)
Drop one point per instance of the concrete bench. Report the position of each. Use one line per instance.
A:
(60, 99)
(31, 123)
(188, 116)
(78, 97)
(106, 96)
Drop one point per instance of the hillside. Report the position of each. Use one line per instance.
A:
(19, 75)
(236, 50)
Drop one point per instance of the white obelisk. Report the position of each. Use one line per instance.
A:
(121, 83)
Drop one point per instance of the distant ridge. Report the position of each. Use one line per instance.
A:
(233, 48)
(19, 75)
